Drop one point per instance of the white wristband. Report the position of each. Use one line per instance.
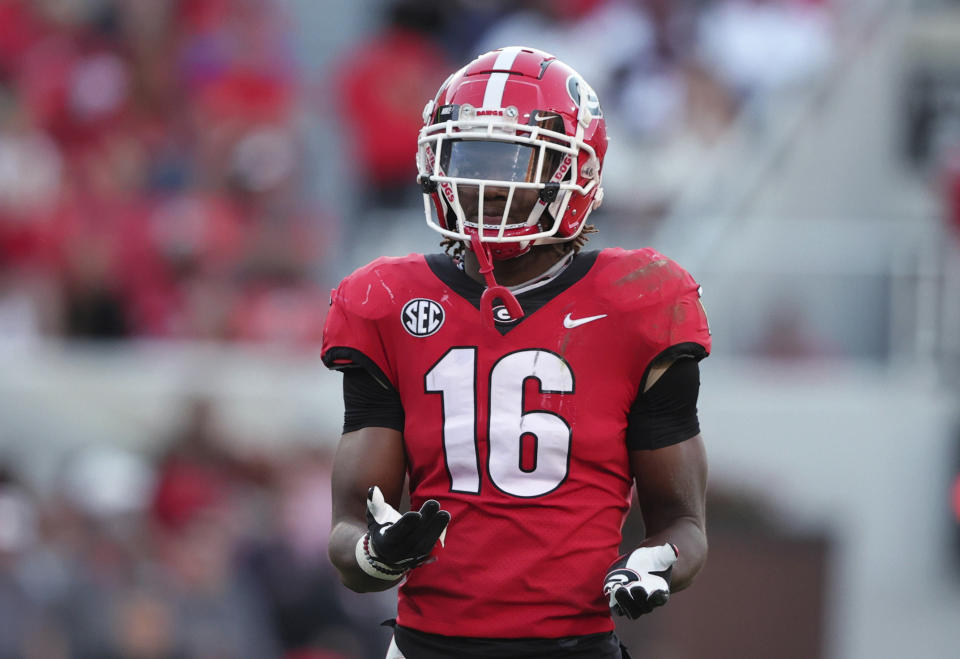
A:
(371, 565)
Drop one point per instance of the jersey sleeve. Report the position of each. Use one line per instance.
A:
(689, 329)
(353, 339)
(677, 324)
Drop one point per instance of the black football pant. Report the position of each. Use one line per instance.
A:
(420, 645)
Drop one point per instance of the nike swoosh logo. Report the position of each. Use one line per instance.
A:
(570, 323)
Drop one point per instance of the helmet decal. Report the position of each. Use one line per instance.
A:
(585, 99)
(493, 94)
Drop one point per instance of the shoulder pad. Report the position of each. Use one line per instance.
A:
(659, 301)
(642, 277)
(372, 291)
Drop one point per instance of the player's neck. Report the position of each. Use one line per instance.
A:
(516, 271)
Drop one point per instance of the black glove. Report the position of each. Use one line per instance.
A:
(639, 582)
(395, 543)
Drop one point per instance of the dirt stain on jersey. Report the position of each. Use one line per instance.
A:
(641, 272)
(679, 313)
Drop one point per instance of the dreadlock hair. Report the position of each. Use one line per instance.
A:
(455, 248)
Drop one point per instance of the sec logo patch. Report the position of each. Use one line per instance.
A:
(422, 317)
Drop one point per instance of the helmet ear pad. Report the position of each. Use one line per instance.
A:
(587, 170)
(578, 210)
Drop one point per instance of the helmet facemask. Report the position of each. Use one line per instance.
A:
(498, 181)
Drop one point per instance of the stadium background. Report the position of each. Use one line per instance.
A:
(181, 182)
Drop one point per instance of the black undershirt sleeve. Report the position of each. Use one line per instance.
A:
(666, 413)
(367, 403)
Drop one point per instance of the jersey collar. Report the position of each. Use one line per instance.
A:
(531, 295)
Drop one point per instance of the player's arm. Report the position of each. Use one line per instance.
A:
(671, 489)
(364, 458)
(371, 544)
(668, 461)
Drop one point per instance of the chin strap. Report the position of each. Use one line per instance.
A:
(494, 291)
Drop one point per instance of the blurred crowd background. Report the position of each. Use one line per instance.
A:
(151, 173)
(183, 181)
(156, 181)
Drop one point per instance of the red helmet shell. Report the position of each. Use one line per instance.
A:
(521, 85)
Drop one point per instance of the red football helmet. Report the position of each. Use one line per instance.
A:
(511, 152)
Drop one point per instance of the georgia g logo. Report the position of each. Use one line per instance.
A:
(585, 99)
(422, 317)
(502, 316)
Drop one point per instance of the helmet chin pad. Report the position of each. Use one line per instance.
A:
(502, 251)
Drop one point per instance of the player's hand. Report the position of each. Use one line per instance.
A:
(397, 543)
(639, 582)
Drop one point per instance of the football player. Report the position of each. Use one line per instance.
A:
(521, 386)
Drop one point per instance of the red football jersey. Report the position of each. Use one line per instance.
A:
(518, 431)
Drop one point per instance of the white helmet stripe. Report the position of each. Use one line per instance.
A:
(493, 94)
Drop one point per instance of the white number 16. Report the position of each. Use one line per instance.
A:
(455, 377)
